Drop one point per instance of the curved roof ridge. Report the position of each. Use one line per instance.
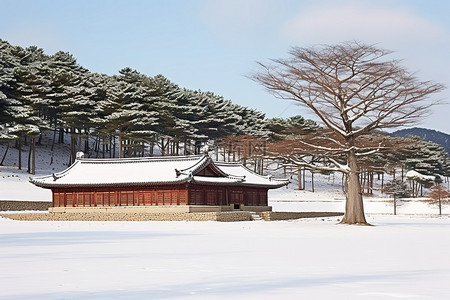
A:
(239, 164)
(56, 175)
(139, 159)
(205, 159)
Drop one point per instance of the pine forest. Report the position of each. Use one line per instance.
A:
(132, 114)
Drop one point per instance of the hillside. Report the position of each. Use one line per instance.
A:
(434, 136)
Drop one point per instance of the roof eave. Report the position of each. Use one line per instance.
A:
(121, 184)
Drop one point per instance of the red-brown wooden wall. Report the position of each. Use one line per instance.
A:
(162, 195)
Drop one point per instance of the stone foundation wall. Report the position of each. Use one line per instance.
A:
(24, 205)
(158, 209)
(207, 216)
(179, 213)
(276, 215)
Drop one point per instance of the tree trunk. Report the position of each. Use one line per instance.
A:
(71, 150)
(33, 158)
(97, 144)
(110, 145)
(120, 144)
(114, 147)
(29, 160)
(163, 147)
(354, 209)
(4, 155)
(362, 180)
(395, 204)
(54, 138)
(86, 144)
(20, 152)
(440, 206)
(103, 147)
(304, 179)
(403, 175)
(299, 177)
(439, 199)
(217, 153)
(79, 142)
(61, 135)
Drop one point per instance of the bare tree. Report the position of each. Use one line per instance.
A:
(438, 195)
(353, 91)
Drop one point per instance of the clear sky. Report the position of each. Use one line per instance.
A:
(212, 44)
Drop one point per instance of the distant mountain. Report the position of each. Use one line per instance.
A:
(434, 136)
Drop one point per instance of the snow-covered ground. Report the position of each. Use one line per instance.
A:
(401, 257)
(14, 185)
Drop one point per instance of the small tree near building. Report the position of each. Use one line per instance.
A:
(438, 195)
(397, 188)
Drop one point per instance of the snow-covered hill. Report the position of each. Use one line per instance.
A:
(434, 136)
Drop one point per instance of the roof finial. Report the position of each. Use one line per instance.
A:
(205, 149)
(79, 155)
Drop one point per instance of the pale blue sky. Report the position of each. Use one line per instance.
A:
(212, 44)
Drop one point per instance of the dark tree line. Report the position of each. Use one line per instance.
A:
(125, 115)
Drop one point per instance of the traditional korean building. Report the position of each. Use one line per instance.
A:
(157, 181)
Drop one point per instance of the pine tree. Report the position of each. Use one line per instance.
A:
(427, 158)
(397, 188)
(66, 96)
(20, 91)
(133, 112)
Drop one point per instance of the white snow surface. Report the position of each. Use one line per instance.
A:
(14, 185)
(400, 257)
(250, 177)
(403, 256)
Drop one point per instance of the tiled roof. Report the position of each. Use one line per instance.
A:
(152, 171)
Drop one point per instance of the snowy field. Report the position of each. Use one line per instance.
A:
(401, 257)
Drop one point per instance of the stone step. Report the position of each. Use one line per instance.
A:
(256, 217)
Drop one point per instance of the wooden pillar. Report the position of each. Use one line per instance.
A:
(227, 200)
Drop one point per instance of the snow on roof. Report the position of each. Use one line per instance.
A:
(251, 178)
(151, 171)
(414, 175)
